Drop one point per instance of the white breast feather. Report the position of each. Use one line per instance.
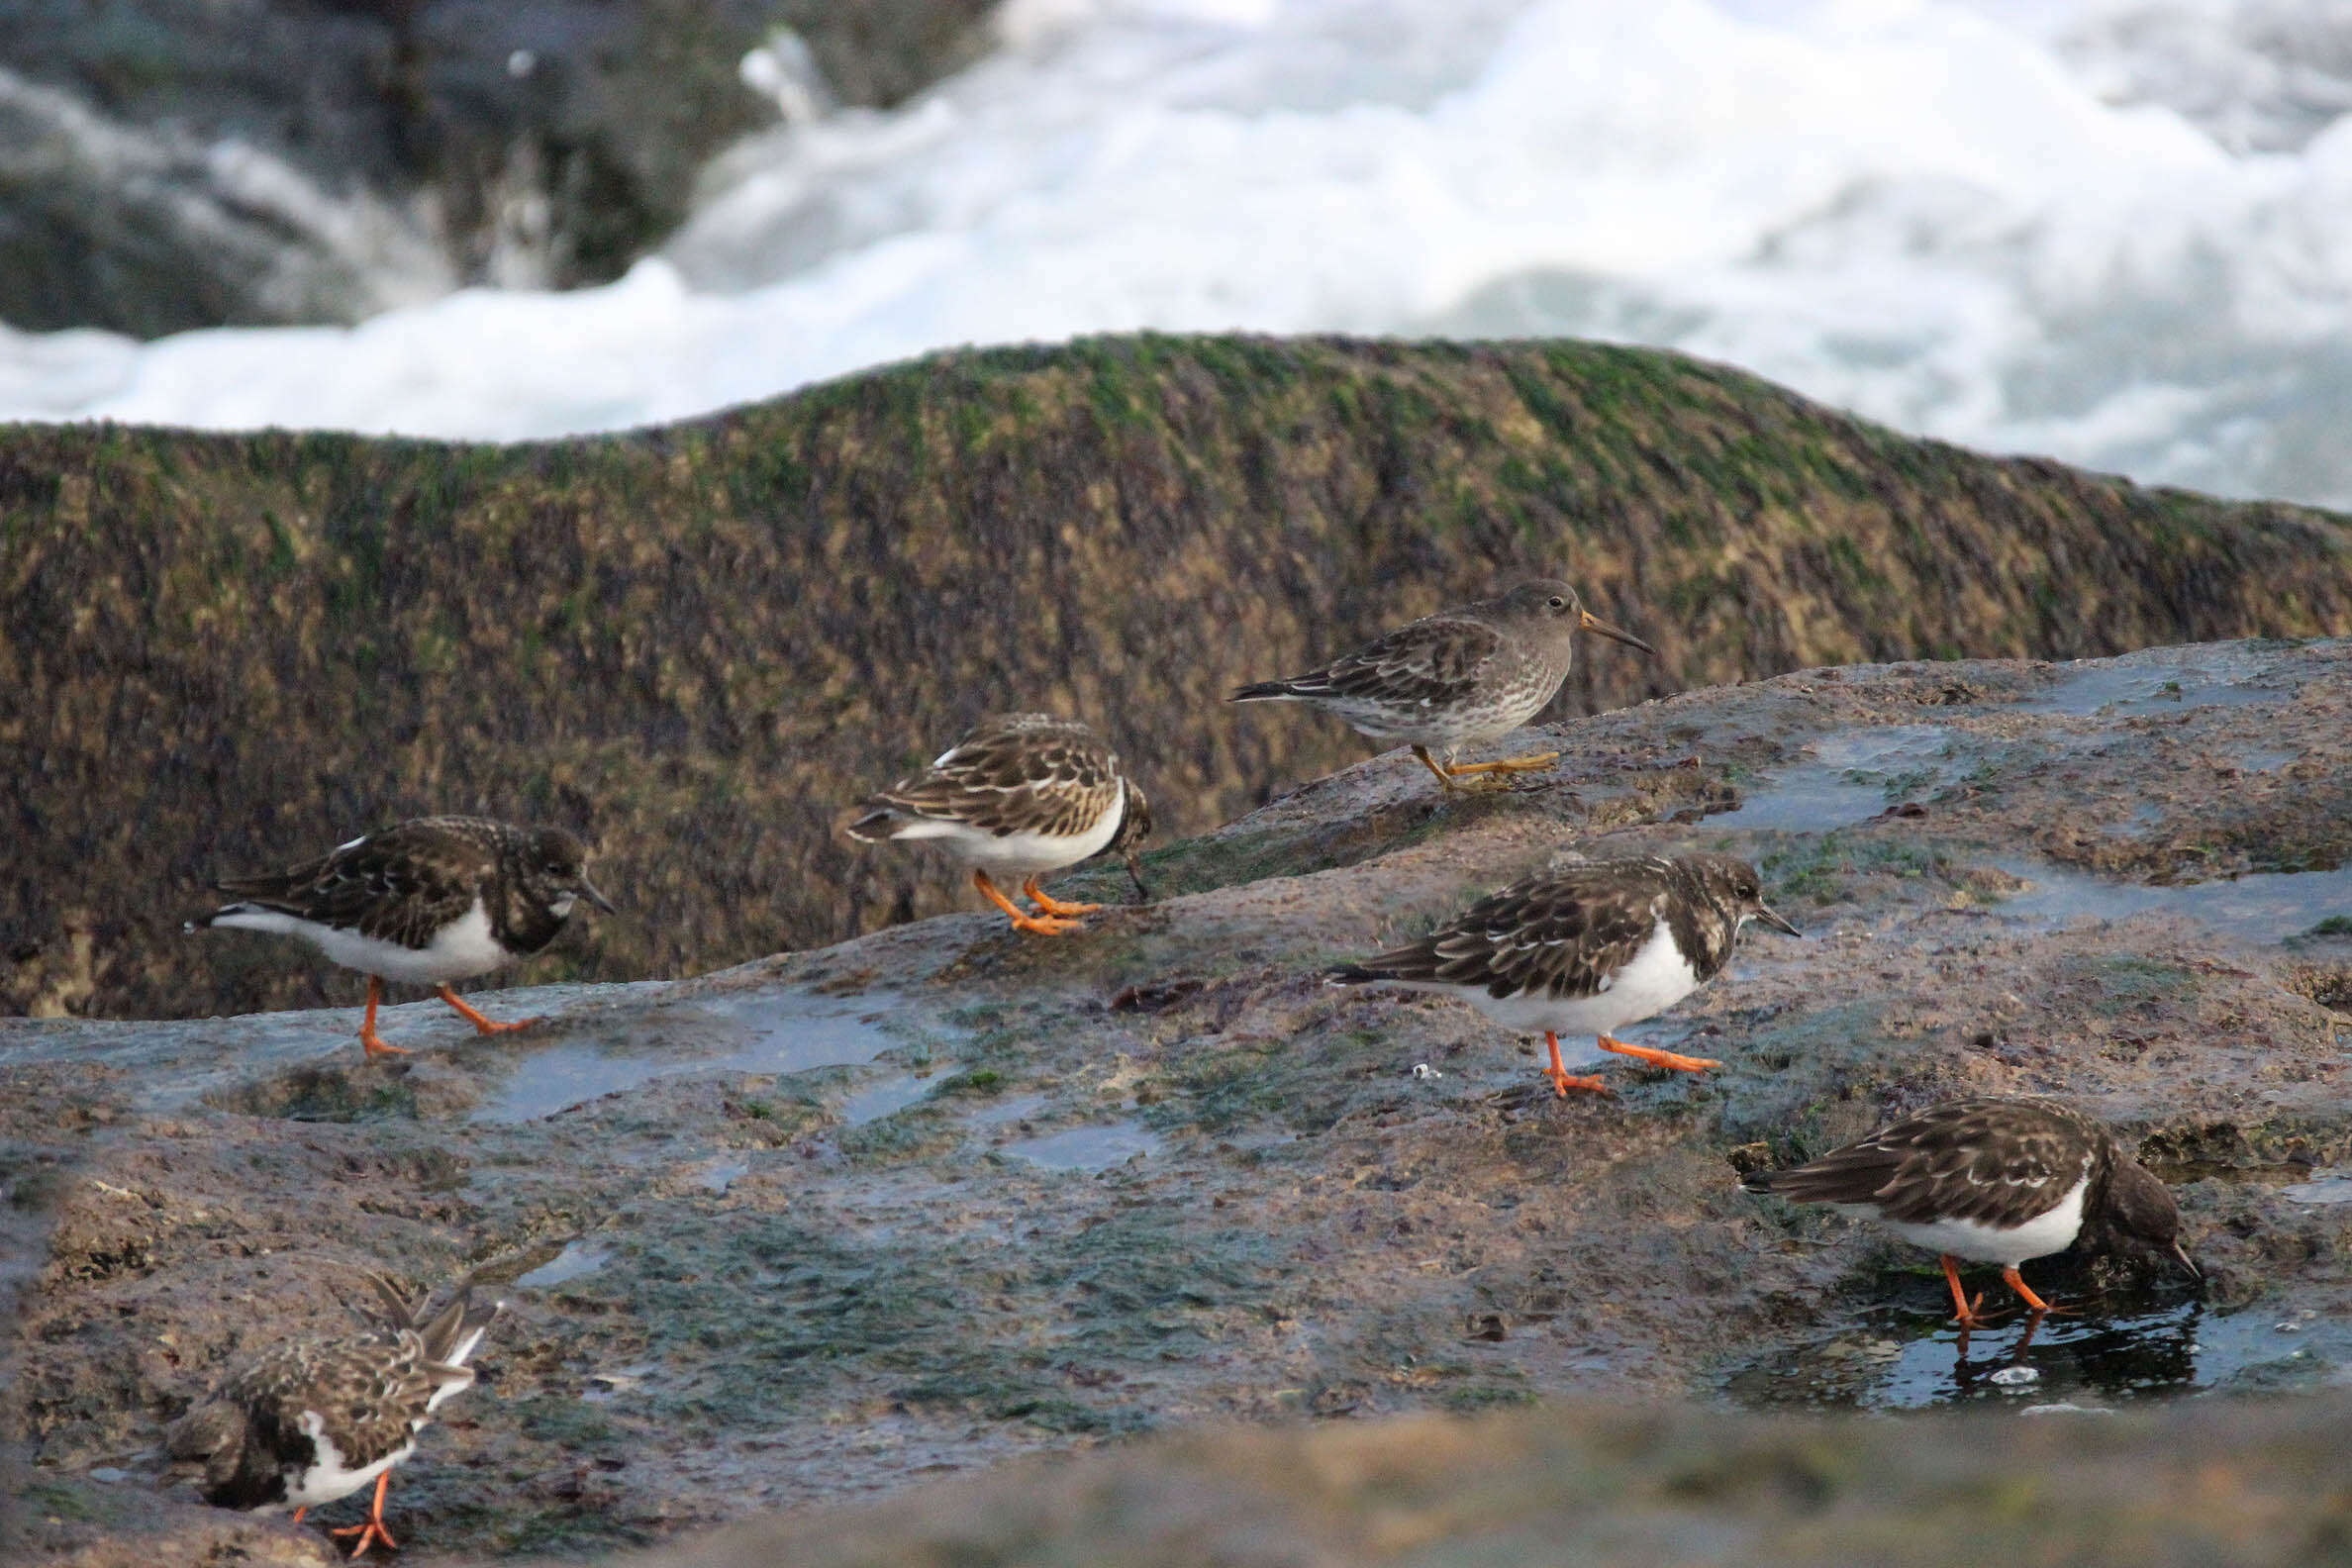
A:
(462, 949)
(1014, 853)
(1651, 981)
(327, 1479)
(2053, 1232)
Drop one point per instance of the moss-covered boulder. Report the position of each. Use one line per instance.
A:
(698, 642)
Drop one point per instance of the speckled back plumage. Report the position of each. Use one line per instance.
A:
(1467, 673)
(1996, 1160)
(371, 1392)
(1567, 932)
(405, 883)
(1011, 774)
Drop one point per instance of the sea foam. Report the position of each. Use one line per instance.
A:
(2118, 233)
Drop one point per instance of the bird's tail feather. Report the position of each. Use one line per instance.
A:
(873, 824)
(1266, 691)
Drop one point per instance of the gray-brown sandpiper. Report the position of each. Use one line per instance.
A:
(1458, 676)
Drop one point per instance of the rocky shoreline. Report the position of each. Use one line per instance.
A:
(939, 1197)
(695, 646)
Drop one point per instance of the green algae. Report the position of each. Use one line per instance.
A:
(698, 643)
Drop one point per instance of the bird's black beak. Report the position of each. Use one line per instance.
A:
(1776, 923)
(1135, 865)
(588, 892)
(1593, 623)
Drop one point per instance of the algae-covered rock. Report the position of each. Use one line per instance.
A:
(943, 1196)
(697, 643)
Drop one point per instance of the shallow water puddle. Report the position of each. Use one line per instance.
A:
(720, 1175)
(774, 1032)
(1910, 1360)
(2260, 907)
(578, 1258)
(1006, 1109)
(877, 1100)
(2327, 1184)
(1852, 777)
(1085, 1149)
(2149, 685)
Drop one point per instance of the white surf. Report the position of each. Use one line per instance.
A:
(2110, 229)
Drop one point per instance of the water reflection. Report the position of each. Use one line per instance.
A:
(1902, 1358)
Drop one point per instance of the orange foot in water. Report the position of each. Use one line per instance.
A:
(1964, 1309)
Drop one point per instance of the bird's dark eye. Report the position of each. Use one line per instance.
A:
(1556, 602)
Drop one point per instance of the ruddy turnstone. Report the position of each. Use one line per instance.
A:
(1019, 795)
(1994, 1180)
(1589, 947)
(1460, 675)
(430, 901)
(316, 1420)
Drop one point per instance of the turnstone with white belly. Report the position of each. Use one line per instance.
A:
(1467, 674)
(430, 901)
(1588, 948)
(316, 1420)
(1019, 795)
(1993, 1180)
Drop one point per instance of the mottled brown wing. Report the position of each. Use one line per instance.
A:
(1433, 660)
(1025, 773)
(367, 1388)
(1996, 1161)
(402, 885)
(1557, 936)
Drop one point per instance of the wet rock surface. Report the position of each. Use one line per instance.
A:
(939, 1197)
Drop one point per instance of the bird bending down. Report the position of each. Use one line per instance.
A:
(425, 901)
(1588, 948)
(2001, 1179)
(1017, 796)
(1462, 675)
(316, 1420)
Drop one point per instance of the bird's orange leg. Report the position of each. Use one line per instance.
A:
(474, 1017)
(1517, 764)
(2017, 1282)
(1964, 1311)
(368, 1036)
(1040, 925)
(298, 1513)
(1660, 1058)
(1055, 906)
(1562, 1080)
(373, 1530)
(1433, 766)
